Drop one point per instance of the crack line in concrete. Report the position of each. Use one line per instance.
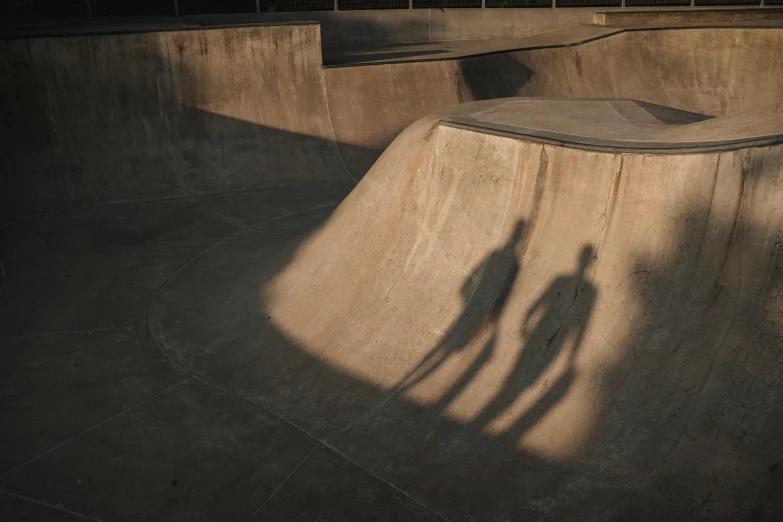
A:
(94, 427)
(318, 440)
(59, 508)
(226, 218)
(292, 214)
(399, 490)
(66, 332)
(283, 482)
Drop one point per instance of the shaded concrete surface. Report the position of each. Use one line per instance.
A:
(158, 443)
(99, 119)
(563, 37)
(20, 508)
(485, 327)
(88, 118)
(417, 51)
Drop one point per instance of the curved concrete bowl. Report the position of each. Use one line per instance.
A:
(522, 312)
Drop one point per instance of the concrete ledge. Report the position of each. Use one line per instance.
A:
(687, 15)
(618, 125)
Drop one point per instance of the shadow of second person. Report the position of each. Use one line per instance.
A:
(558, 316)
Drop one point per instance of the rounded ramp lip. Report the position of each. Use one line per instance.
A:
(618, 125)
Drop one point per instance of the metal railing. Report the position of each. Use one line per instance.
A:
(437, 4)
(518, 3)
(347, 5)
(589, 3)
(301, 5)
(726, 2)
(657, 3)
(48, 9)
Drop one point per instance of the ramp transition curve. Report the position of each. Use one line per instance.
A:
(507, 326)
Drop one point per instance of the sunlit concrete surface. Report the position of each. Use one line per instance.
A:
(535, 282)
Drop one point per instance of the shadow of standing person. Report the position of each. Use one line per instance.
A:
(484, 295)
(564, 310)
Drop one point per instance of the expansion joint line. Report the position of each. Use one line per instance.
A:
(93, 428)
(319, 442)
(58, 508)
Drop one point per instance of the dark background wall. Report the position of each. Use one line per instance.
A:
(16, 10)
(42, 9)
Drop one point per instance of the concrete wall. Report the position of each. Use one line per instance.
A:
(145, 114)
(97, 119)
(427, 25)
(423, 25)
(355, 27)
(714, 71)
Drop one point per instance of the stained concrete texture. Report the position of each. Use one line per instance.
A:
(526, 309)
(98, 119)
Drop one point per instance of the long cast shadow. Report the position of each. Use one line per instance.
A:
(565, 308)
(484, 296)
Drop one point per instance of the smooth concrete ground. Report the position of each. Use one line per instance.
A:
(98, 422)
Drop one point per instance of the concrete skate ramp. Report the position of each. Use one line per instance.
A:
(713, 71)
(505, 328)
(102, 118)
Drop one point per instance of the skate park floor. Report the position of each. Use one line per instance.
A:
(100, 308)
(86, 382)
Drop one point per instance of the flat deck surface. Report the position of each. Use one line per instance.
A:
(623, 125)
